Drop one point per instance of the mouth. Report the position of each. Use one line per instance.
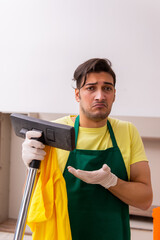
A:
(100, 105)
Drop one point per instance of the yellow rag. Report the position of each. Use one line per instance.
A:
(48, 213)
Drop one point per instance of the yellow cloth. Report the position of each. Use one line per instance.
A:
(48, 214)
(126, 134)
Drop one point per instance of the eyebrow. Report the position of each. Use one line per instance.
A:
(107, 83)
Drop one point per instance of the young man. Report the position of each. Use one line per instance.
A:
(108, 170)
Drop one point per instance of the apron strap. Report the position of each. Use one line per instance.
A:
(76, 126)
(114, 142)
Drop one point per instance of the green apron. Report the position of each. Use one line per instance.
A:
(94, 212)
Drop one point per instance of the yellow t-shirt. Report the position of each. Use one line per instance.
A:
(126, 134)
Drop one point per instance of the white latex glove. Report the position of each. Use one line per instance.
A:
(32, 149)
(103, 176)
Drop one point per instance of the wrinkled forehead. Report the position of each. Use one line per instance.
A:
(98, 78)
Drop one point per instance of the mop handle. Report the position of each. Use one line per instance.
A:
(30, 183)
(21, 221)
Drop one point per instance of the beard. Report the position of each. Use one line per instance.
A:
(97, 116)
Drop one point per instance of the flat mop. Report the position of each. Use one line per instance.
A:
(53, 134)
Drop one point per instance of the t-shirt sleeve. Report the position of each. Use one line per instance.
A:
(137, 148)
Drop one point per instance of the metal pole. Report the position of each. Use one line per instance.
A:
(21, 222)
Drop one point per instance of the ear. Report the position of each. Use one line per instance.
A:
(77, 95)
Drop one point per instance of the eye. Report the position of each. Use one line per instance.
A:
(91, 88)
(108, 88)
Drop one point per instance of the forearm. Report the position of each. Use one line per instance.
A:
(136, 194)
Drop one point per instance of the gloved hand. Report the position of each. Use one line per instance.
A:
(32, 149)
(103, 176)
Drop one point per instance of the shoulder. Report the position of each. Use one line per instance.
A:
(117, 123)
(67, 120)
(123, 127)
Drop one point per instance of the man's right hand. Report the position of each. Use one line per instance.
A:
(32, 149)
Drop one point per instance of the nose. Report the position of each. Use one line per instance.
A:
(99, 95)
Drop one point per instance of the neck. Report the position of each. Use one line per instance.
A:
(89, 123)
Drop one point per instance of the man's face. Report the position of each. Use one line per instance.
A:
(96, 96)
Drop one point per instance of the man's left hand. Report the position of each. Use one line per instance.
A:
(103, 176)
